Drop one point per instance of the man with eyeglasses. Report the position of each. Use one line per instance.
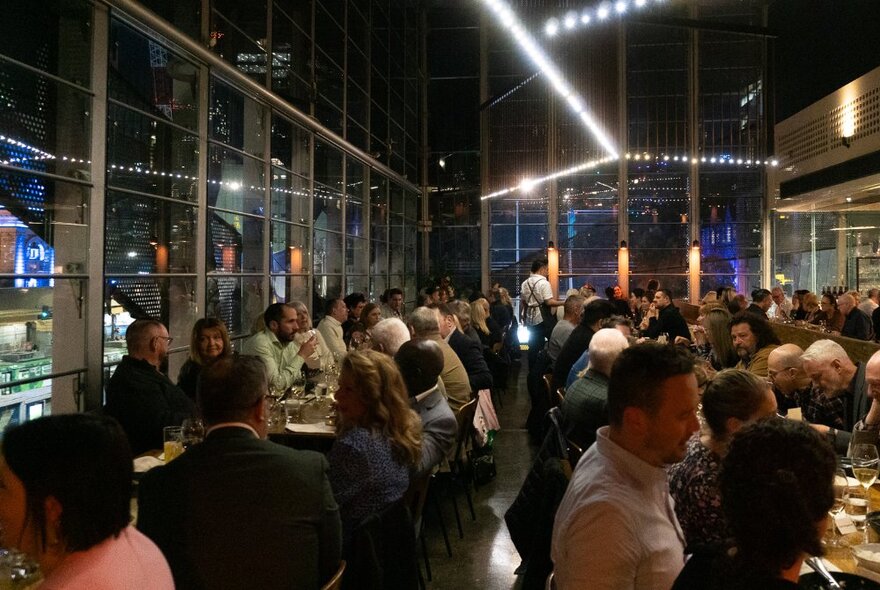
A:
(139, 395)
(794, 389)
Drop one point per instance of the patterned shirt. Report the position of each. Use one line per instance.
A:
(818, 408)
(693, 484)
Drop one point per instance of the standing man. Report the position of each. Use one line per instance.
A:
(283, 357)
(793, 389)
(856, 325)
(330, 325)
(238, 511)
(139, 395)
(664, 318)
(753, 340)
(534, 292)
(616, 527)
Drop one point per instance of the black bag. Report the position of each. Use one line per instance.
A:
(483, 465)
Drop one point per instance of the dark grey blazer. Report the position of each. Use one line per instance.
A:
(239, 512)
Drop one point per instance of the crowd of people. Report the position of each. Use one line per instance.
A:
(666, 419)
(666, 415)
(237, 510)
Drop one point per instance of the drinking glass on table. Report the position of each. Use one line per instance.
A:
(865, 466)
(172, 438)
(841, 494)
(193, 432)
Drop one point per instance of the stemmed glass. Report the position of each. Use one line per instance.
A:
(865, 465)
(841, 488)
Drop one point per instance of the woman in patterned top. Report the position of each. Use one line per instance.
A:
(378, 438)
(732, 399)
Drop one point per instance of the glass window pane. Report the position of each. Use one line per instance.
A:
(290, 146)
(144, 235)
(328, 252)
(242, 50)
(357, 255)
(149, 156)
(290, 249)
(328, 208)
(148, 76)
(235, 181)
(235, 243)
(238, 301)
(286, 288)
(183, 14)
(354, 199)
(327, 287)
(236, 120)
(65, 28)
(43, 227)
(290, 196)
(170, 300)
(44, 126)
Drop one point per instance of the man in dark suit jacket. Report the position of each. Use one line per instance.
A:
(139, 396)
(468, 350)
(238, 511)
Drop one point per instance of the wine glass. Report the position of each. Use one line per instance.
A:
(865, 466)
(193, 432)
(840, 498)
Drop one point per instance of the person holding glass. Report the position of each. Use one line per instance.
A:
(65, 492)
(361, 331)
(304, 333)
(776, 490)
(733, 399)
(379, 438)
(831, 316)
(208, 342)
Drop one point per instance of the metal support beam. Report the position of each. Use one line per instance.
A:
(485, 269)
(623, 271)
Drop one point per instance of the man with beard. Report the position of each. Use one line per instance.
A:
(284, 358)
(616, 527)
(753, 340)
(833, 373)
(139, 395)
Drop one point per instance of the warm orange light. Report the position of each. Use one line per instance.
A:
(296, 259)
(694, 272)
(553, 268)
(623, 268)
(161, 258)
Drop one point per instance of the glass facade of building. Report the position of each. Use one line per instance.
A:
(141, 176)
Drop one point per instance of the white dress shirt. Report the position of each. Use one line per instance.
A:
(616, 527)
(331, 329)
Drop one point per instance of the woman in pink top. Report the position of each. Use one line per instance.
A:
(65, 491)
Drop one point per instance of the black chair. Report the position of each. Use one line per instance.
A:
(459, 475)
(383, 552)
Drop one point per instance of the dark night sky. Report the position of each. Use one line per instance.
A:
(822, 45)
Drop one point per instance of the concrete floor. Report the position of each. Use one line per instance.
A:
(486, 557)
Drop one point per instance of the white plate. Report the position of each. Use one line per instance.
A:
(868, 556)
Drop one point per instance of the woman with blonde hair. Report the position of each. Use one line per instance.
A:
(208, 342)
(379, 438)
(322, 355)
(716, 325)
(487, 328)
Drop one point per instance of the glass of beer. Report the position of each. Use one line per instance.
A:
(172, 436)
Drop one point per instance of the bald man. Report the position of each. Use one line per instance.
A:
(421, 362)
(793, 388)
(856, 325)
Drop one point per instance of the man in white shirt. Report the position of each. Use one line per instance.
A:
(284, 358)
(616, 527)
(330, 326)
(871, 302)
(535, 291)
(781, 309)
